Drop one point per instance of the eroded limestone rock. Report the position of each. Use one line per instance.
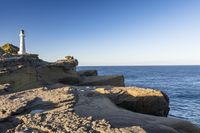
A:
(147, 101)
(86, 73)
(100, 106)
(61, 108)
(27, 71)
(114, 80)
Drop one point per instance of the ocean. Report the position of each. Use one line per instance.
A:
(180, 83)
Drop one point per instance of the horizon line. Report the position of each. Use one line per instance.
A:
(137, 65)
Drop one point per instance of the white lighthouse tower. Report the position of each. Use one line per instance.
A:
(22, 48)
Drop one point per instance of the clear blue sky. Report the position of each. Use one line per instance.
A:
(106, 32)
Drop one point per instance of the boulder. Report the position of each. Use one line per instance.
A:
(114, 80)
(85, 73)
(9, 48)
(99, 105)
(69, 61)
(146, 101)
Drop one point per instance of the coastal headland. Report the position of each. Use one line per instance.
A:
(53, 97)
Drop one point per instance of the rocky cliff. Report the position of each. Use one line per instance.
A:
(52, 97)
(24, 72)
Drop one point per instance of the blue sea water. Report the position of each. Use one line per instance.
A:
(181, 83)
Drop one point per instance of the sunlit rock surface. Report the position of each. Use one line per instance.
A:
(10, 48)
(61, 108)
(147, 101)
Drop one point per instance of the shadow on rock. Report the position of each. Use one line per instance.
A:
(34, 106)
(8, 123)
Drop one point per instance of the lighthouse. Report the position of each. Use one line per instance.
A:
(22, 49)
